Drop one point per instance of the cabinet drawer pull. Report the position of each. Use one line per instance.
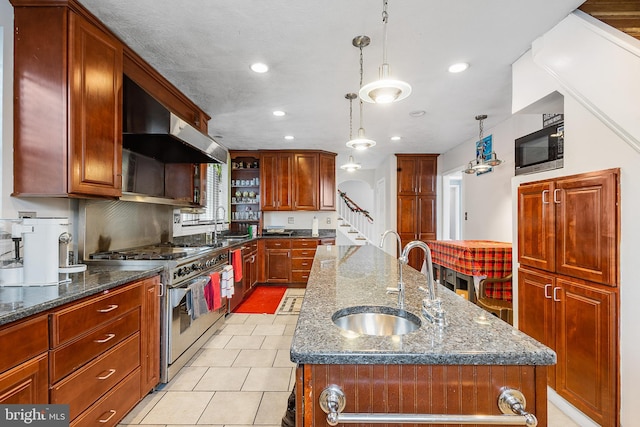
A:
(545, 201)
(108, 309)
(555, 296)
(305, 263)
(277, 244)
(108, 338)
(112, 412)
(105, 376)
(546, 287)
(555, 196)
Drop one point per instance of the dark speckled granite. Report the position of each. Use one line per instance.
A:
(349, 276)
(18, 302)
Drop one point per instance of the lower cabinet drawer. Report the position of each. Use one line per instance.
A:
(299, 276)
(25, 339)
(65, 359)
(113, 406)
(82, 388)
(303, 264)
(26, 383)
(303, 253)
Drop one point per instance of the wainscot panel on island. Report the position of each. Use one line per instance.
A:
(360, 373)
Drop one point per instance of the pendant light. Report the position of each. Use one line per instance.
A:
(361, 142)
(482, 163)
(386, 89)
(351, 165)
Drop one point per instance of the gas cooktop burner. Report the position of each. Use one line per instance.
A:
(164, 251)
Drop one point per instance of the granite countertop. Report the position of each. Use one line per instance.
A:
(349, 276)
(18, 302)
(301, 234)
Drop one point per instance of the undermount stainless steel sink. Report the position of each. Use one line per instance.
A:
(376, 320)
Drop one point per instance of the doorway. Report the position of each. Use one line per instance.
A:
(452, 206)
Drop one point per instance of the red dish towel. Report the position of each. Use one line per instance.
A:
(212, 292)
(236, 262)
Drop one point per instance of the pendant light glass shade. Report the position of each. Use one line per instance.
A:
(351, 165)
(386, 89)
(361, 142)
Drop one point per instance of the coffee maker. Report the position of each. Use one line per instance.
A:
(45, 254)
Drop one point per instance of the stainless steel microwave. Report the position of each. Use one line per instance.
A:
(540, 151)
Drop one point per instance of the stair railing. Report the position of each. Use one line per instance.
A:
(359, 219)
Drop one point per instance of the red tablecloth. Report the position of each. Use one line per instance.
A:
(476, 258)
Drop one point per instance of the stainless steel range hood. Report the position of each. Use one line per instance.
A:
(152, 130)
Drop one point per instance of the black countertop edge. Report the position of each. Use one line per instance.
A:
(20, 302)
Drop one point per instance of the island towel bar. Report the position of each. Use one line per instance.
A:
(511, 403)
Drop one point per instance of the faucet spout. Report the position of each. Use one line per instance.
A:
(400, 288)
(431, 307)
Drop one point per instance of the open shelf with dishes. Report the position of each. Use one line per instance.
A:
(245, 191)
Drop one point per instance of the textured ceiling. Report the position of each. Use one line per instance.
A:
(205, 48)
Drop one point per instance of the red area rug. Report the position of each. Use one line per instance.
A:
(263, 300)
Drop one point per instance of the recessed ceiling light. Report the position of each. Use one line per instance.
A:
(279, 113)
(289, 137)
(459, 67)
(259, 67)
(417, 113)
(395, 138)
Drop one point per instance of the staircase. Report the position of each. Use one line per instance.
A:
(355, 225)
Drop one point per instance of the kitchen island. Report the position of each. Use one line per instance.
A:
(459, 369)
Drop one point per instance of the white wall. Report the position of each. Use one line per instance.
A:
(487, 198)
(591, 145)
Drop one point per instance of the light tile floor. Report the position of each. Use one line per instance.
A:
(241, 377)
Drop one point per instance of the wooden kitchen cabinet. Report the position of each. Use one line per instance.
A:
(570, 225)
(250, 265)
(277, 260)
(327, 170)
(186, 182)
(297, 180)
(68, 103)
(24, 373)
(153, 291)
(305, 181)
(416, 201)
(302, 253)
(568, 249)
(276, 173)
(577, 320)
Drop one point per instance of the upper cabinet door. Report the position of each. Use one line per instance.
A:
(305, 183)
(285, 174)
(268, 181)
(586, 226)
(427, 167)
(536, 222)
(327, 182)
(96, 110)
(407, 171)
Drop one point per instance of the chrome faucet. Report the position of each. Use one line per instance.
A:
(215, 223)
(400, 288)
(431, 307)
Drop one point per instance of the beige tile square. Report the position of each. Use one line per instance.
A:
(260, 319)
(283, 360)
(232, 408)
(245, 342)
(186, 379)
(277, 342)
(290, 330)
(217, 341)
(180, 407)
(269, 330)
(255, 358)
(286, 319)
(237, 329)
(268, 379)
(237, 318)
(557, 418)
(272, 407)
(223, 379)
(215, 357)
(142, 409)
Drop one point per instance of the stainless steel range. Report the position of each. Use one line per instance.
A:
(186, 269)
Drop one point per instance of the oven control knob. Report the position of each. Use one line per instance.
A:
(208, 263)
(178, 272)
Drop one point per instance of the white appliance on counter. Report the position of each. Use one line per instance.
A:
(44, 243)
